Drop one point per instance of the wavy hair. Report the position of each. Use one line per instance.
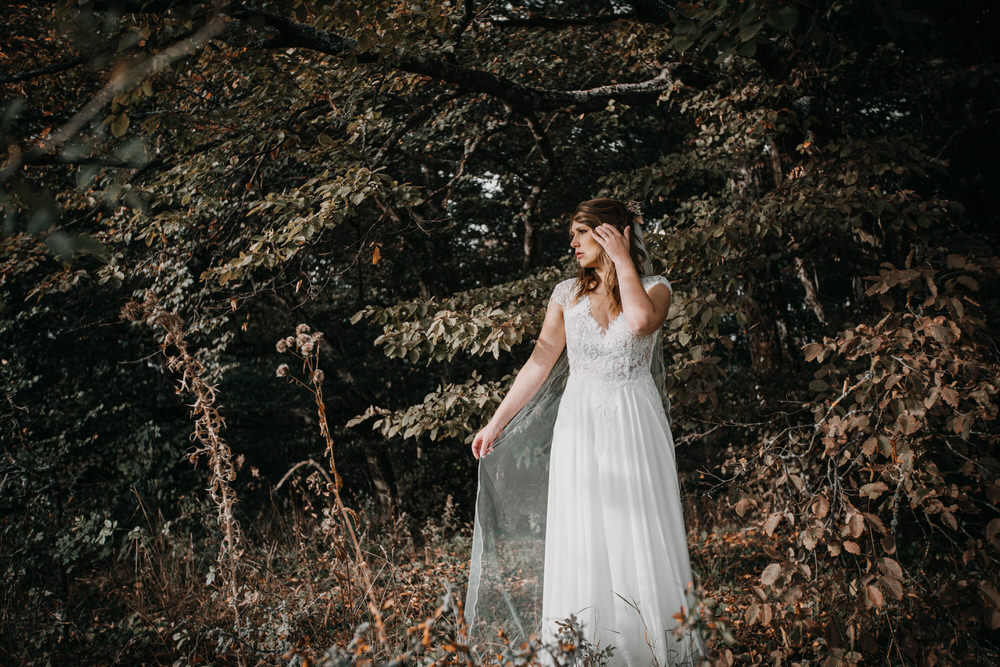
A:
(595, 212)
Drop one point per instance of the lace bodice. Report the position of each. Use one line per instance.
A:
(615, 354)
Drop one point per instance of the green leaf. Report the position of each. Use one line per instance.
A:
(748, 49)
(784, 19)
(119, 125)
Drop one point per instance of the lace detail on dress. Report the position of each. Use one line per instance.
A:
(613, 355)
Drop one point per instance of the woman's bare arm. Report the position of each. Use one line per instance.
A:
(548, 347)
(644, 311)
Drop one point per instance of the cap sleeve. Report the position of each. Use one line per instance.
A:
(649, 281)
(560, 293)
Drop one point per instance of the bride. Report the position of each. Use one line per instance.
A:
(578, 511)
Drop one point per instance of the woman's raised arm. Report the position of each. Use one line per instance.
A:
(548, 347)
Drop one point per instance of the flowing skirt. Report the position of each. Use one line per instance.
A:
(616, 551)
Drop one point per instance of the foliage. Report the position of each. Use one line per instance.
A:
(827, 218)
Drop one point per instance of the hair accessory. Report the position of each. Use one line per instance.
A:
(634, 207)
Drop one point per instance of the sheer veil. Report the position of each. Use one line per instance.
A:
(504, 596)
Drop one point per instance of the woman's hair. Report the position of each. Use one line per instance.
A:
(593, 213)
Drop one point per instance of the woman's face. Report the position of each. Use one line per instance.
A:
(588, 250)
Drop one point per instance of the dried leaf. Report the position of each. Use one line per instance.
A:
(894, 586)
(820, 507)
(873, 490)
(873, 596)
(771, 574)
(992, 528)
(771, 523)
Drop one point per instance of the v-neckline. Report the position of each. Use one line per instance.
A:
(590, 313)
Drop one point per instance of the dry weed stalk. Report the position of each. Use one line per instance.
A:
(207, 430)
(305, 346)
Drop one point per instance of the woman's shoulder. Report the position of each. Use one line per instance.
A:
(657, 279)
(561, 292)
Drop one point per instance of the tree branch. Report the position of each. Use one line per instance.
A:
(412, 121)
(42, 71)
(284, 33)
(557, 22)
(468, 10)
(123, 79)
(530, 206)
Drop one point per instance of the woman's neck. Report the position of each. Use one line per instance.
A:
(602, 280)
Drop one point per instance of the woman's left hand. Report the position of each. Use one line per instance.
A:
(613, 242)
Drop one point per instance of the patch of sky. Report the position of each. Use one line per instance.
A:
(489, 183)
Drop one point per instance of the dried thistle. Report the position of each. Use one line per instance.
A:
(305, 347)
(208, 426)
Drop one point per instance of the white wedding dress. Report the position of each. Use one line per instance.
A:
(616, 553)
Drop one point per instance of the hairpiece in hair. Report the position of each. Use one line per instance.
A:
(634, 207)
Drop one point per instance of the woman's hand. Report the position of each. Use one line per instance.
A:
(614, 243)
(482, 444)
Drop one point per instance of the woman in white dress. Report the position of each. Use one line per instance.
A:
(614, 551)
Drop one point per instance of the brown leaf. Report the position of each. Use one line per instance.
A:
(876, 522)
(990, 593)
(852, 547)
(908, 423)
(856, 525)
(955, 261)
(770, 574)
(950, 396)
(873, 596)
(811, 536)
(796, 481)
(962, 424)
(869, 447)
(894, 586)
(992, 528)
(812, 350)
(772, 523)
(766, 615)
(873, 490)
(891, 567)
(742, 505)
(820, 507)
